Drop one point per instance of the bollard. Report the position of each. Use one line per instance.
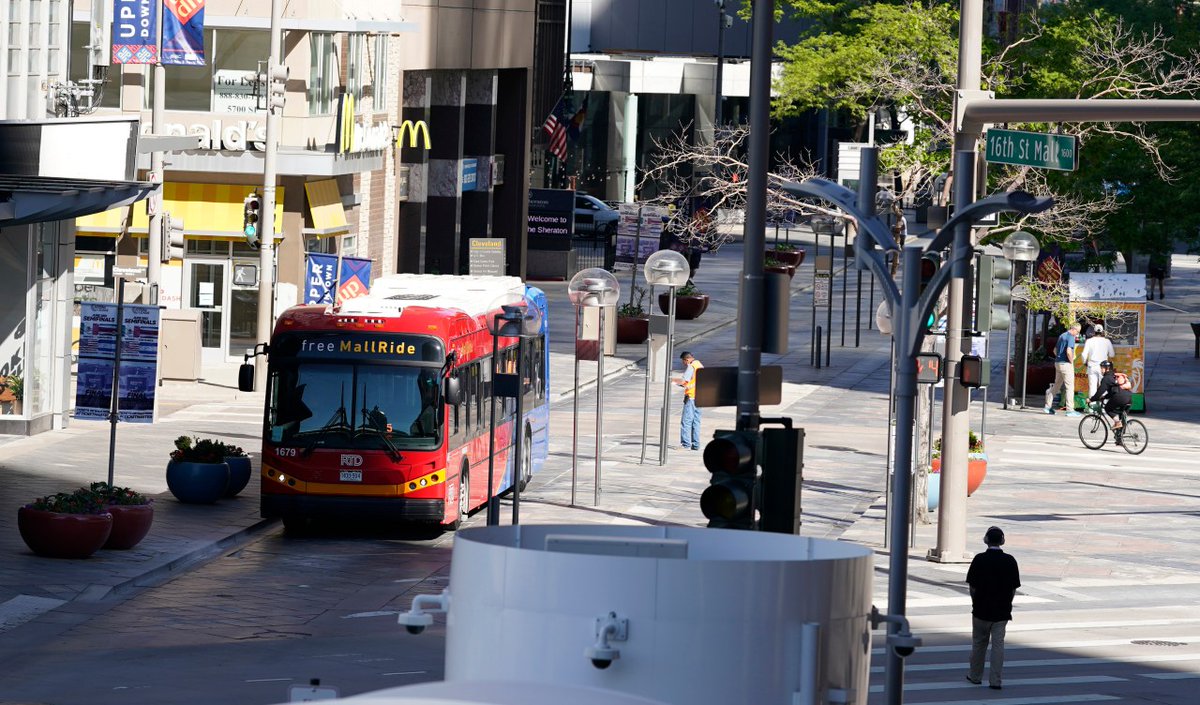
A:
(818, 356)
(1196, 332)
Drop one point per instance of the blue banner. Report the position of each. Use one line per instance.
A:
(355, 280)
(183, 33)
(134, 38)
(321, 281)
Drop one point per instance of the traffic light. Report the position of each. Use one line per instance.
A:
(992, 293)
(973, 371)
(782, 460)
(931, 262)
(251, 209)
(277, 90)
(172, 238)
(728, 502)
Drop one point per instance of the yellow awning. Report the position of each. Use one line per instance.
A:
(325, 206)
(208, 212)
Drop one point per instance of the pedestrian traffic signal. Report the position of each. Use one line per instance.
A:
(728, 502)
(172, 238)
(973, 371)
(277, 88)
(992, 293)
(251, 208)
(931, 262)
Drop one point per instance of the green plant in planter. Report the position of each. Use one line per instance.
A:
(16, 384)
(634, 308)
(974, 445)
(81, 501)
(770, 261)
(689, 289)
(229, 450)
(784, 247)
(121, 496)
(198, 450)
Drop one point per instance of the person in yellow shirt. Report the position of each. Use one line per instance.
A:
(689, 425)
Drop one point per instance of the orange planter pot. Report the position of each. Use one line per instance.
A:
(976, 471)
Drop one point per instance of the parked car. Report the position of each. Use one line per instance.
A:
(594, 217)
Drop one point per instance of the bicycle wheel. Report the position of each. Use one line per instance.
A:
(1134, 437)
(1093, 431)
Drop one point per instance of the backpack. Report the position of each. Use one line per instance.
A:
(1122, 381)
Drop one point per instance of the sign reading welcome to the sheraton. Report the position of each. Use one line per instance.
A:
(362, 346)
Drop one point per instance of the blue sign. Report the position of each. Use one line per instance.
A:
(320, 284)
(183, 33)
(135, 32)
(470, 173)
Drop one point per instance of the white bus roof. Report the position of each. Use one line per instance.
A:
(391, 294)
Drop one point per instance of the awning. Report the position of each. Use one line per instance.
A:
(40, 199)
(325, 207)
(208, 212)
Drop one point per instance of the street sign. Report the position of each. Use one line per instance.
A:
(1036, 149)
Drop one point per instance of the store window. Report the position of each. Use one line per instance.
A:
(37, 379)
(237, 53)
(16, 38)
(35, 33)
(379, 74)
(321, 246)
(54, 44)
(190, 87)
(356, 54)
(217, 248)
(323, 73)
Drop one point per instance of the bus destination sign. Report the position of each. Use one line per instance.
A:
(359, 346)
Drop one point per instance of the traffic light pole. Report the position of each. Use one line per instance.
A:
(266, 253)
(154, 238)
(755, 231)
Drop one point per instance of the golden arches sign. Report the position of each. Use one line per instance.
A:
(413, 128)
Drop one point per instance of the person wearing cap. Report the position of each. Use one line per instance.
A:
(1096, 350)
(1064, 372)
(994, 578)
(689, 424)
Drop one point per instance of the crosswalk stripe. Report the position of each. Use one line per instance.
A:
(1010, 647)
(1033, 700)
(1169, 676)
(1026, 626)
(1008, 682)
(1036, 663)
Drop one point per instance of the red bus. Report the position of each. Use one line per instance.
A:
(380, 408)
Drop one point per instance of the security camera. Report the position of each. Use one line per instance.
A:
(602, 656)
(415, 622)
(904, 644)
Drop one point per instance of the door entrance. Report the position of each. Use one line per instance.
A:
(206, 292)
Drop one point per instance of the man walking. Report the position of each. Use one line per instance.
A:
(1064, 372)
(689, 425)
(994, 579)
(1096, 350)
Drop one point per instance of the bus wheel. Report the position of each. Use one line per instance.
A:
(464, 498)
(527, 460)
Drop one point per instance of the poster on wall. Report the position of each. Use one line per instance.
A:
(643, 238)
(134, 40)
(183, 33)
(98, 358)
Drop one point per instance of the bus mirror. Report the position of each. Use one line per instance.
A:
(453, 391)
(246, 377)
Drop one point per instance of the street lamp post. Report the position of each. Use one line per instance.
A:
(722, 22)
(517, 317)
(596, 289)
(670, 269)
(1020, 246)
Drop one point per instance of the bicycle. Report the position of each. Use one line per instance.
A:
(1093, 431)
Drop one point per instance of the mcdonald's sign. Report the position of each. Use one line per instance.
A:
(345, 131)
(413, 128)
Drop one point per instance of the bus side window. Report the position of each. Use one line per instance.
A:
(464, 403)
(477, 395)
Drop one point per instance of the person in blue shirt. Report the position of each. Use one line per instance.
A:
(1064, 373)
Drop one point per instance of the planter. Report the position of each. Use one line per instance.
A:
(239, 474)
(130, 524)
(686, 307)
(976, 471)
(632, 330)
(780, 269)
(1038, 377)
(57, 535)
(197, 483)
(793, 258)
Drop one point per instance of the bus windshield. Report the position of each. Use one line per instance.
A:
(355, 406)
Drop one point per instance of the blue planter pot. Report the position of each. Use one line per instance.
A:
(197, 483)
(933, 491)
(239, 474)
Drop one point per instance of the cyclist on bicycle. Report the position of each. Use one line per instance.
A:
(1114, 392)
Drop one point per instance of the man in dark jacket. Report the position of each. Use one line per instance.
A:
(1110, 392)
(994, 579)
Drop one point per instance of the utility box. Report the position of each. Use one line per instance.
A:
(1123, 298)
(179, 344)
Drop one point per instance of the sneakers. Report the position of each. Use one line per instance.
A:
(976, 681)
(1048, 410)
(994, 687)
(1074, 413)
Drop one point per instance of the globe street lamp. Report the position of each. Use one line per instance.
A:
(1019, 246)
(670, 269)
(515, 316)
(592, 289)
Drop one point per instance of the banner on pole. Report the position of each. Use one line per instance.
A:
(183, 33)
(134, 39)
(355, 280)
(322, 279)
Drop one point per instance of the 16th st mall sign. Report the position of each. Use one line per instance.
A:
(1036, 149)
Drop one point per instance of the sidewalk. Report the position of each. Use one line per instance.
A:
(841, 406)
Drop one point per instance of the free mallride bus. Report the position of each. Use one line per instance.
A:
(380, 408)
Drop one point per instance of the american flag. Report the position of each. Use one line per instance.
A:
(556, 128)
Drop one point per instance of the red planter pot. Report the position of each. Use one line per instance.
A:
(63, 535)
(686, 307)
(793, 258)
(780, 269)
(976, 471)
(632, 330)
(131, 523)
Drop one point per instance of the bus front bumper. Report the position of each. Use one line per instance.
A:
(357, 508)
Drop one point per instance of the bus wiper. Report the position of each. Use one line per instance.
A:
(338, 421)
(392, 451)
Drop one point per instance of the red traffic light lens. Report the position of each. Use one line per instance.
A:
(928, 268)
(728, 454)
